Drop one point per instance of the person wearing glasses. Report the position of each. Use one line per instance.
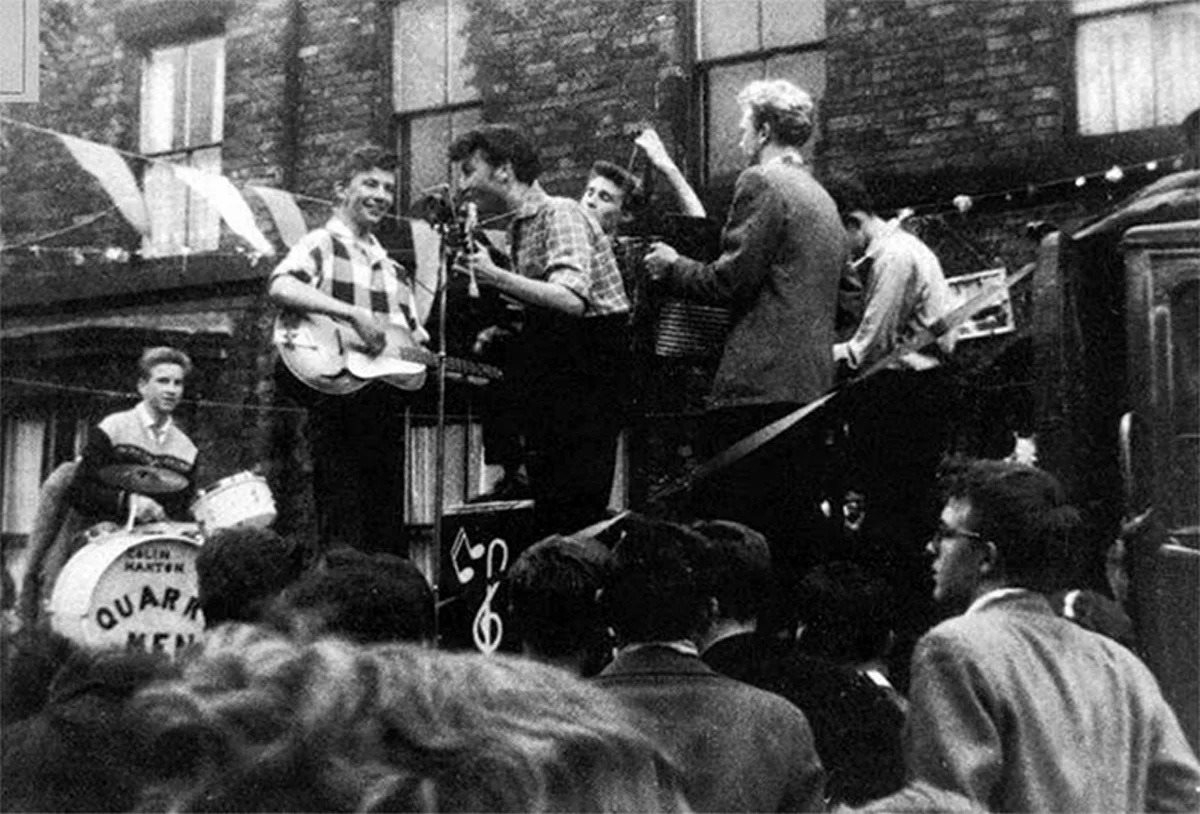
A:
(1012, 705)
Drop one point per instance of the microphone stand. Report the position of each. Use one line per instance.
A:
(439, 469)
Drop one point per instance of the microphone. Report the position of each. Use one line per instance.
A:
(435, 191)
(472, 223)
(434, 206)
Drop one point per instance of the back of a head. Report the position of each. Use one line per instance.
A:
(376, 600)
(848, 613)
(655, 592)
(31, 657)
(736, 568)
(849, 194)
(786, 108)
(552, 590)
(79, 753)
(500, 143)
(260, 722)
(1023, 511)
(241, 570)
(499, 733)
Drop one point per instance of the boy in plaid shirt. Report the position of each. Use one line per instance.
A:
(572, 355)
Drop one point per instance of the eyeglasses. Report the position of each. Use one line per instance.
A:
(947, 533)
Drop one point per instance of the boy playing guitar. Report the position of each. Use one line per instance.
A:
(340, 271)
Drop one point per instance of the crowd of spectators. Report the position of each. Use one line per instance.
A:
(643, 682)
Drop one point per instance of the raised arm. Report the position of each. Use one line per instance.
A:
(656, 151)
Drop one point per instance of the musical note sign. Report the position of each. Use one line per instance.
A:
(487, 630)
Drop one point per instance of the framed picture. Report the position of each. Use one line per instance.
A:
(991, 321)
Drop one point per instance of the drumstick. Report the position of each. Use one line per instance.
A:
(132, 512)
(471, 225)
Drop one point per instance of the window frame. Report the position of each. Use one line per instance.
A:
(702, 69)
(1081, 15)
(450, 105)
(187, 222)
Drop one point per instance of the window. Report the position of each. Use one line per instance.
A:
(433, 92)
(464, 467)
(183, 101)
(739, 41)
(1136, 63)
(30, 447)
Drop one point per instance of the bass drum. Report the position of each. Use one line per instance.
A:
(132, 589)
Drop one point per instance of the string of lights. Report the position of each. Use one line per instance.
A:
(120, 395)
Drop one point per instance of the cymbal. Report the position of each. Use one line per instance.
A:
(143, 478)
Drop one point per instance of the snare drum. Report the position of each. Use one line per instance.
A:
(134, 589)
(243, 499)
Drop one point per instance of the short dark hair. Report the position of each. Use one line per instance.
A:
(655, 593)
(848, 613)
(1023, 511)
(379, 599)
(364, 158)
(162, 355)
(552, 594)
(736, 567)
(849, 194)
(628, 183)
(241, 569)
(500, 143)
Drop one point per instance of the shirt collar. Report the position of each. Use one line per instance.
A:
(335, 225)
(878, 679)
(531, 202)
(789, 158)
(147, 419)
(991, 597)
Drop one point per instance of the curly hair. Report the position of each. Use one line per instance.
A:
(240, 570)
(259, 722)
(786, 108)
(500, 143)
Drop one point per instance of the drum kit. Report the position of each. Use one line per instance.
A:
(136, 586)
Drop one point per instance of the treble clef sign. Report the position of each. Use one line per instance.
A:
(488, 629)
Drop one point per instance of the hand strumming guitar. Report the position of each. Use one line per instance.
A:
(479, 261)
(369, 330)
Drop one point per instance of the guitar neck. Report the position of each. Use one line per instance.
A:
(453, 364)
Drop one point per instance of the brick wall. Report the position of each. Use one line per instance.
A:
(938, 84)
(581, 75)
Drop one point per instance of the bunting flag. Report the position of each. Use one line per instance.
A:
(106, 165)
(225, 198)
(426, 243)
(289, 220)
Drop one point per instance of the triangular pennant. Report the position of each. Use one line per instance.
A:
(107, 166)
(289, 220)
(225, 198)
(426, 243)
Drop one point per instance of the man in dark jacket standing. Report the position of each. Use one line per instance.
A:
(782, 254)
(738, 748)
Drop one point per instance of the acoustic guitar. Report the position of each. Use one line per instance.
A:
(328, 355)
